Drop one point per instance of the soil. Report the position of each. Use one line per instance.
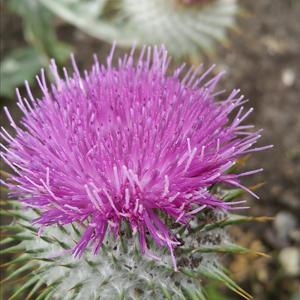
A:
(263, 61)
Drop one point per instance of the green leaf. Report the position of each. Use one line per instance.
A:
(6, 240)
(23, 237)
(12, 249)
(34, 289)
(214, 294)
(61, 243)
(68, 266)
(36, 251)
(13, 203)
(77, 232)
(19, 259)
(232, 194)
(189, 294)
(47, 291)
(166, 292)
(18, 271)
(45, 294)
(13, 213)
(189, 273)
(232, 219)
(19, 65)
(23, 64)
(39, 30)
(121, 295)
(30, 228)
(216, 274)
(202, 296)
(26, 285)
(223, 248)
(47, 239)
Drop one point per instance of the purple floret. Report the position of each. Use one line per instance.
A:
(124, 143)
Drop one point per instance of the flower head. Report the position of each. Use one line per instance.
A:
(126, 143)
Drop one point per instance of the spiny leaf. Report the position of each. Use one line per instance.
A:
(225, 248)
(237, 219)
(114, 259)
(121, 295)
(12, 249)
(36, 251)
(232, 220)
(216, 274)
(47, 239)
(189, 294)
(213, 293)
(22, 237)
(19, 259)
(76, 230)
(256, 186)
(233, 286)
(201, 295)
(61, 243)
(239, 163)
(18, 271)
(182, 229)
(44, 259)
(105, 281)
(26, 285)
(36, 287)
(232, 194)
(189, 273)
(13, 213)
(6, 240)
(12, 228)
(30, 228)
(76, 288)
(47, 291)
(166, 292)
(49, 296)
(123, 241)
(69, 266)
(91, 263)
(11, 202)
(63, 229)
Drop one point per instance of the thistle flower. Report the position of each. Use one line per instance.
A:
(128, 144)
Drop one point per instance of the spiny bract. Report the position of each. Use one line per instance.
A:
(119, 272)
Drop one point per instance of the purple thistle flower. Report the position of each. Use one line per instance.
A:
(124, 143)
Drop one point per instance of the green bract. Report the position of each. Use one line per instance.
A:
(45, 269)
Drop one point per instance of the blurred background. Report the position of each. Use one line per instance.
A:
(256, 42)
